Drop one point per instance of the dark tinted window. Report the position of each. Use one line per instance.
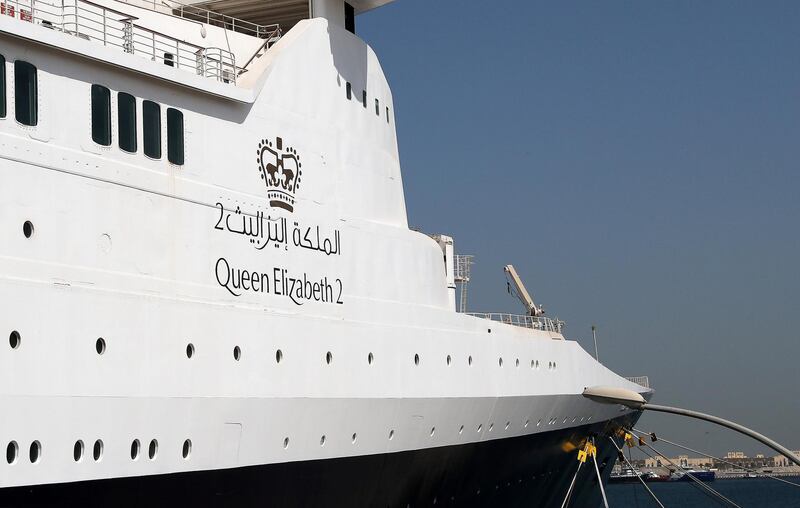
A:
(26, 103)
(126, 119)
(349, 91)
(2, 86)
(349, 18)
(101, 115)
(377, 107)
(151, 125)
(175, 136)
(364, 98)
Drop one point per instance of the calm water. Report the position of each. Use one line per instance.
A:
(747, 493)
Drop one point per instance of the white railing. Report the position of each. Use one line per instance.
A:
(534, 322)
(640, 380)
(93, 22)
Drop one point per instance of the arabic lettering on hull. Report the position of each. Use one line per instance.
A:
(262, 230)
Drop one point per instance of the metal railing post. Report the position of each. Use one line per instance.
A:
(105, 24)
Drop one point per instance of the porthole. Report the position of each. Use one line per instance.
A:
(433, 431)
(517, 362)
(532, 364)
(12, 451)
(370, 358)
(480, 427)
(14, 339)
(187, 449)
(100, 346)
(554, 365)
(152, 449)
(278, 356)
(237, 353)
(136, 448)
(500, 361)
(448, 359)
(322, 440)
(35, 452)
(416, 359)
(328, 357)
(354, 438)
(508, 424)
(491, 427)
(97, 450)
(77, 451)
(565, 420)
(469, 360)
(537, 364)
(391, 434)
(527, 422)
(27, 229)
(461, 429)
(285, 443)
(189, 350)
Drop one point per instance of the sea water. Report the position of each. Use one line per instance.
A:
(746, 492)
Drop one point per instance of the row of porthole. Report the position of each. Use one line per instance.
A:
(15, 339)
(323, 439)
(35, 449)
(237, 355)
(78, 450)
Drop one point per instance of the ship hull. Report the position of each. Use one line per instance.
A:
(531, 470)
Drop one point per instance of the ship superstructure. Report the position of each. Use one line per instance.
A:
(199, 203)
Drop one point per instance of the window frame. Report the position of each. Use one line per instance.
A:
(120, 123)
(22, 67)
(145, 122)
(3, 89)
(176, 152)
(104, 138)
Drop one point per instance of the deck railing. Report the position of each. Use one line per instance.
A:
(534, 322)
(94, 22)
(640, 380)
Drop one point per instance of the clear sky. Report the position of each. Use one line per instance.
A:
(638, 162)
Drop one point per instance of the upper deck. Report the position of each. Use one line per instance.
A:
(217, 39)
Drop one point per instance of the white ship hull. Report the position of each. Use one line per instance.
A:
(180, 333)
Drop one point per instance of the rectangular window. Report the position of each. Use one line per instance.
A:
(349, 18)
(387, 114)
(126, 120)
(175, 136)
(101, 115)
(2, 86)
(377, 108)
(349, 91)
(364, 98)
(26, 102)
(151, 125)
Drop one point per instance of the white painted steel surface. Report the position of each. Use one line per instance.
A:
(129, 249)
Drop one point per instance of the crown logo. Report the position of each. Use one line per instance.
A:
(279, 167)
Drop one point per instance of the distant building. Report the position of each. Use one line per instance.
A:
(781, 461)
(744, 462)
(681, 460)
(735, 455)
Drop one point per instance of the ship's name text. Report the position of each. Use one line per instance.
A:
(299, 288)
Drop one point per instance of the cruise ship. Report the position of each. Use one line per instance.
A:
(211, 295)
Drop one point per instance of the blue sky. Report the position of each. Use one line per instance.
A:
(639, 163)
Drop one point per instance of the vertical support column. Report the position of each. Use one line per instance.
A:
(446, 244)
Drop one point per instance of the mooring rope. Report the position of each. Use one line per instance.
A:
(599, 478)
(716, 458)
(642, 442)
(571, 485)
(621, 454)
